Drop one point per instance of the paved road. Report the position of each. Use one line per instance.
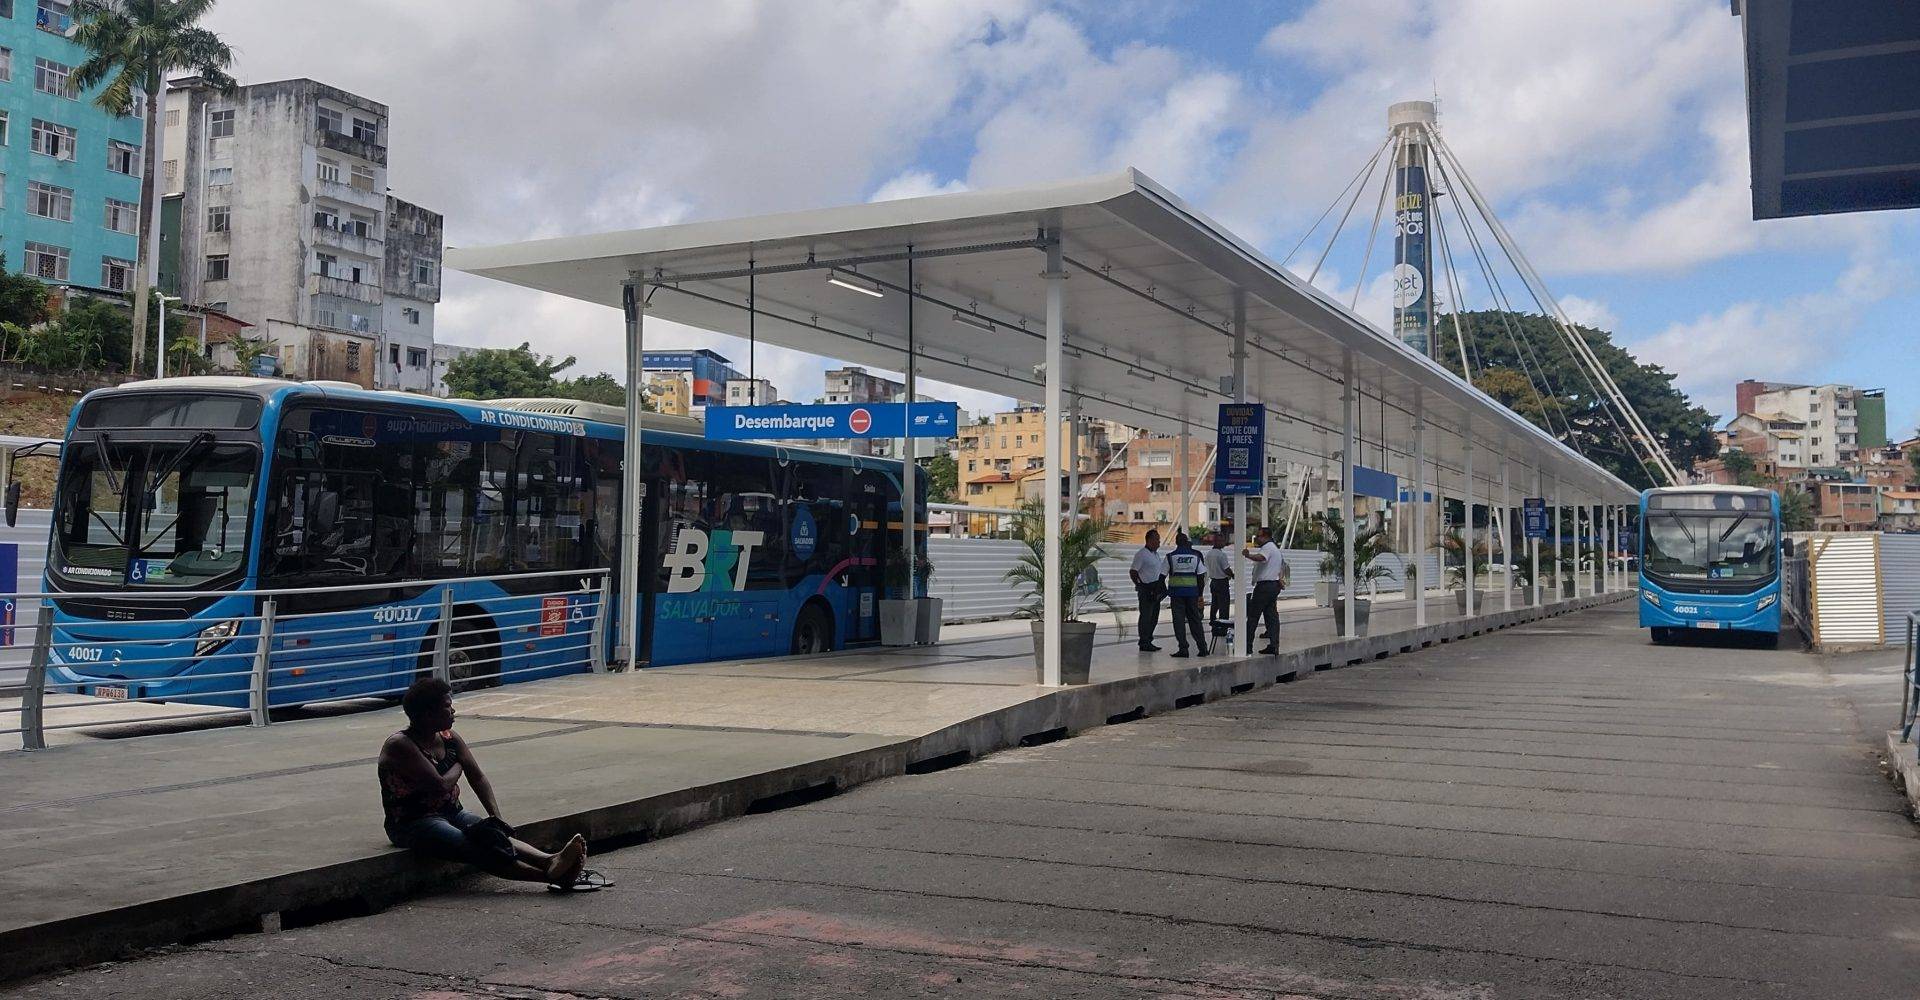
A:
(1558, 810)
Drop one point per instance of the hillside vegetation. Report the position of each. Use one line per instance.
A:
(40, 415)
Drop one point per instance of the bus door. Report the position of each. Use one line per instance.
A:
(868, 495)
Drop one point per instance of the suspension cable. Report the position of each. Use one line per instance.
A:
(1379, 209)
(1394, 144)
(1365, 170)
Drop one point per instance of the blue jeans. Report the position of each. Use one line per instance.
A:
(443, 836)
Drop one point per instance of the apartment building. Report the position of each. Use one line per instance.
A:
(1838, 422)
(283, 218)
(69, 172)
(706, 374)
(853, 385)
(1149, 496)
(751, 392)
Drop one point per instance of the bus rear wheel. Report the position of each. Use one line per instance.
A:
(813, 631)
(473, 661)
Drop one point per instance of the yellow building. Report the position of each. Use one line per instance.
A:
(995, 454)
(672, 393)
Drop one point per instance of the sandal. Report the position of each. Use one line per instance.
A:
(588, 880)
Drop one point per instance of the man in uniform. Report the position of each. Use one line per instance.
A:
(1269, 574)
(1219, 576)
(1149, 573)
(1186, 575)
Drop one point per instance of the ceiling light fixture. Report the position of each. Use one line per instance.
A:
(1137, 373)
(969, 319)
(855, 283)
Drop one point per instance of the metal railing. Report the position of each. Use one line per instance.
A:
(1910, 679)
(84, 671)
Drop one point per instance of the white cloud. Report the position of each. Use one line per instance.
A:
(915, 184)
(1786, 339)
(1588, 312)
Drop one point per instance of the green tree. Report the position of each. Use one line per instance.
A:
(132, 46)
(1521, 360)
(943, 479)
(509, 373)
(602, 388)
(1741, 466)
(1796, 511)
(23, 298)
(246, 348)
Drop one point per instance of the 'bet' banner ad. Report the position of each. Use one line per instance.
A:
(831, 421)
(1412, 260)
(1239, 465)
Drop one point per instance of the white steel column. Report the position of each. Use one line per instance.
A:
(1599, 551)
(908, 469)
(1419, 542)
(1052, 598)
(1533, 544)
(1238, 612)
(633, 301)
(1559, 554)
(1506, 536)
(1346, 493)
(1466, 529)
(1181, 521)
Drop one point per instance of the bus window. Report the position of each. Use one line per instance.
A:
(342, 504)
(742, 502)
(548, 505)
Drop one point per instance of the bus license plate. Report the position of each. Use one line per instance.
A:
(1706, 624)
(110, 691)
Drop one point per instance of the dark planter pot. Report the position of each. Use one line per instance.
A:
(1361, 610)
(931, 613)
(1076, 652)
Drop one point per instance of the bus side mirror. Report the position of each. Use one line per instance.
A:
(13, 504)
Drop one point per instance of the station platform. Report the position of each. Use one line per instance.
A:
(130, 843)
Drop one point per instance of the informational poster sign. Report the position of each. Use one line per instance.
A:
(1534, 514)
(1374, 483)
(553, 616)
(9, 583)
(830, 421)
(1239, 467)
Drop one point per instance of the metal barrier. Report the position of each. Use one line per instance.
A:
(1910, 679)
(480, 631)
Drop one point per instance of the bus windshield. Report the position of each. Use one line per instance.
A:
(1735, 547)
(165, 514)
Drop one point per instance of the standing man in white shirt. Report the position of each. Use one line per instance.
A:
(1219, 576)
(1269, 577)
(1149, 573)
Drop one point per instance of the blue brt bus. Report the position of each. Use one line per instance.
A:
(365, 500)
(1710, 558)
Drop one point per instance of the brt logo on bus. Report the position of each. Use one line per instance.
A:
(696, 562)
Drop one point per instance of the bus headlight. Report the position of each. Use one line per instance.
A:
(1652, 598)
(214, 636)
(1767, 602)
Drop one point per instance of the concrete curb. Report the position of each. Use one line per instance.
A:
(1905, 761)
(367, 884)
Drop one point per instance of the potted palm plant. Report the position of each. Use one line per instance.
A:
(930, 609)
(1464, 567)
(899, 612)
(1082, 546)
(1369, 544)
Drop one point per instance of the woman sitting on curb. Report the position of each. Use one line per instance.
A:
(420, 770)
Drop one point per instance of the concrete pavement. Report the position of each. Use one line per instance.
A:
(1554, 810)
(153, 840)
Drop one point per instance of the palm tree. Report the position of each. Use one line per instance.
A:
(132, 46)
(1369, 545)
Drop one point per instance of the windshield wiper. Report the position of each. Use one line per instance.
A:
(1730, 527)
(174, 462)
(106, 461)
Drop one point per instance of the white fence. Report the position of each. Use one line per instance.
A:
(969, 573)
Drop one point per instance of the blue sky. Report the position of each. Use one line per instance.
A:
(1611, 138)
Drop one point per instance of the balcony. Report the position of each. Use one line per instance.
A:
(340, 142)
(320, 284)
(341, 239)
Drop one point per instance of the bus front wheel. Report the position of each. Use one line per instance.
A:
(1662, 636)
(813, 631)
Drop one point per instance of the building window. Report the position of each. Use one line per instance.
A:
(3, 128)
(328, 120)
(422, 271)
(53, 140)
(6, 8)
(366, 131)
(6, 63)
(326, 318)
(416, 357)
(123, 157)
(54, 78)
(393, 355)
(49, 262)
(359, 225)
(412, 315)
(219, 176)
(419, 226)
(353, 356)
(122, 216)
(329, 265)
(55, 16)
(220, 124)
(173, 117)
(329, 170)
(171, 170)
(362, 177)
(116, 274)
(216, 267)
(219, 219)
(326, 218)
(50, 202)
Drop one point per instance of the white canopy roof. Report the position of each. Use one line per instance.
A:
(1149, 311)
